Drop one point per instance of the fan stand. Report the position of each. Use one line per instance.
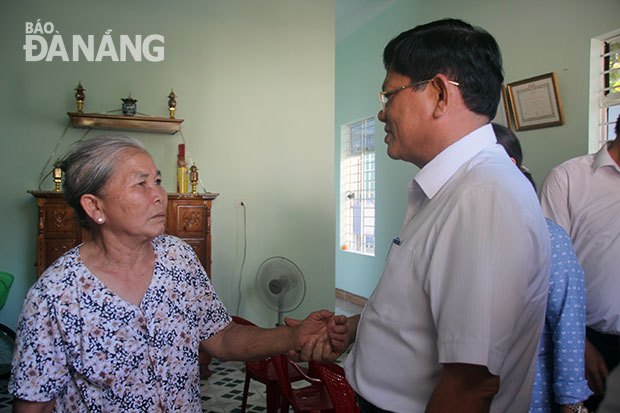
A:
(280, 316)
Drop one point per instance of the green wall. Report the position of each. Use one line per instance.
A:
(536, 37)
(255, 85)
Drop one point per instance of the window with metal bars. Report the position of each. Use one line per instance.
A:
(604, 89)
(357, 187)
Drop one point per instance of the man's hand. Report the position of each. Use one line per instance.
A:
(341, 331)
(464, 388)
(596, 369)
(322, 335)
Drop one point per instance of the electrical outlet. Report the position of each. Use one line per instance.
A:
(239, 203)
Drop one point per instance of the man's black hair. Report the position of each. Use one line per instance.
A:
(465, 54)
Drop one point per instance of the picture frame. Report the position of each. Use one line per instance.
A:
(503, 116)
(536, 103)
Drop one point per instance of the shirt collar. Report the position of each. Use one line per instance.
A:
(602, 158)
(441, 168)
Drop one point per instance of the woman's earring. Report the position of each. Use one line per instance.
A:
(100, 220)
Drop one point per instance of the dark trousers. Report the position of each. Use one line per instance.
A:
(609, 347)
(366, 406)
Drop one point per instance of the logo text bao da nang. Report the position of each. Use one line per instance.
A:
(43, 43)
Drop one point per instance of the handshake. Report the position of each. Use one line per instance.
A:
(322, 336)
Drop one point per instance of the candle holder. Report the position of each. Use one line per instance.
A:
(172, 103)
(79, 96)
(193, 177)
(57, 176)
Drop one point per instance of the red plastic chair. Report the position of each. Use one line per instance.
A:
(312, 398)
(263, 371)
(339, 389)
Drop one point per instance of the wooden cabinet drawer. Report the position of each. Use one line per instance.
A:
(199, 246)
(54, 248)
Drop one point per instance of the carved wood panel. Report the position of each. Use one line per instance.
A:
(59, 219)
(190, 219)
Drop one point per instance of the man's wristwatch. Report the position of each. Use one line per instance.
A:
(577, 408)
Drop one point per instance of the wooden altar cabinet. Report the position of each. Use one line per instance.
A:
(188, 217)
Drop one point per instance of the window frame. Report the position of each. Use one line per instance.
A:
(600, 99)
(359, 188)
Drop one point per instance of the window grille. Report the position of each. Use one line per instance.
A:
(604, 89)
(357, 187)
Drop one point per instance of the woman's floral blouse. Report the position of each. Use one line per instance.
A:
(81, 344)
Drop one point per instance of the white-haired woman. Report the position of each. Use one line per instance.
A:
(115, 324)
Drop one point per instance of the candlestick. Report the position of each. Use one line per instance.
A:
(79, 96)
(172, 103)
(193, 177)
(57, 176)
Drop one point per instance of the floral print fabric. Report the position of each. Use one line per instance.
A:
(81, 344)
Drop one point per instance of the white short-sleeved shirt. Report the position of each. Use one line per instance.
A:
(582, 195)
(465, 282)
(82, 345)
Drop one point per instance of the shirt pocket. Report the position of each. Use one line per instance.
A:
(392, 294)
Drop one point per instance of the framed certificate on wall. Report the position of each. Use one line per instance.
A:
(536, 103)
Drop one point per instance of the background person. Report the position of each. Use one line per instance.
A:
(115, 323)
(582, 196)
(560, 373)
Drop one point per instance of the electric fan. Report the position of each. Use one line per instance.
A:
(281, 285)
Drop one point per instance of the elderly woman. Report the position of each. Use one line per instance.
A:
(115, 324)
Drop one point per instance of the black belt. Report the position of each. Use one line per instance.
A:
(366, 406)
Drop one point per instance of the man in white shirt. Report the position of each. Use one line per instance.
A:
(454, 322)
(583, 196)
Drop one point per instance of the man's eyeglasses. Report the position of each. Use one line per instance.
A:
(384, 97)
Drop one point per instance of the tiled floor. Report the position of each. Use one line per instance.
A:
(223, 391)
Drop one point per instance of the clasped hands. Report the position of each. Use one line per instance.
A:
(322, 336)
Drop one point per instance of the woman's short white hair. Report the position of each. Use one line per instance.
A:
(89, 165)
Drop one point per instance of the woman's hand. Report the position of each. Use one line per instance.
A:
(23, 406)
(310, 338)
